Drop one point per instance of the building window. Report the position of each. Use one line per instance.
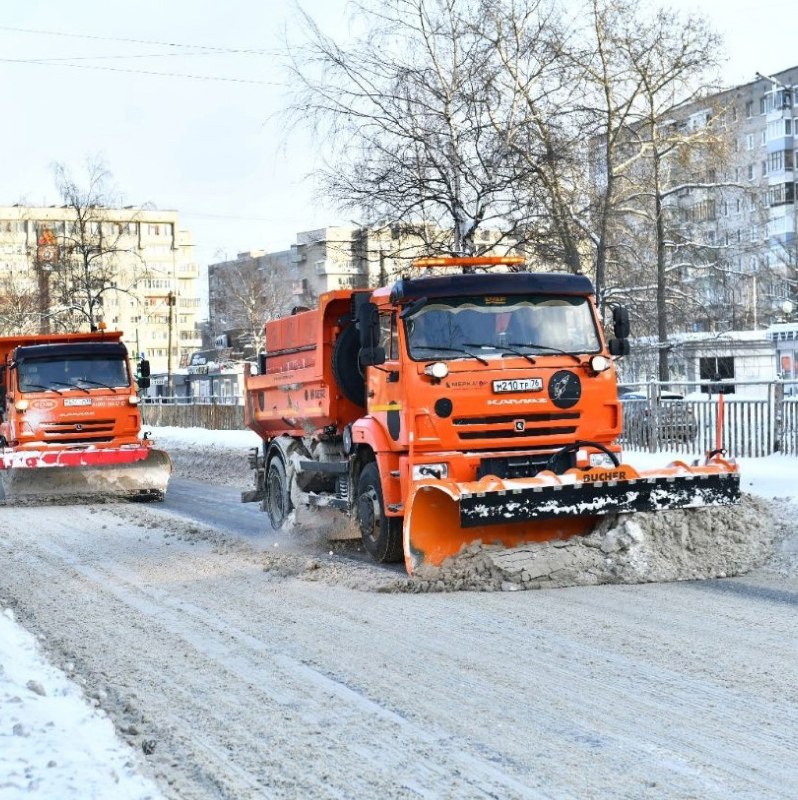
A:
(749, 141)
(782, 194)
(749, 109)
(750, 172)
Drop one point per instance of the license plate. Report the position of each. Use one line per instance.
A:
(77, 401)
(518, 385)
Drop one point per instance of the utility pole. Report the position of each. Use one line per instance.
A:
(170, 299)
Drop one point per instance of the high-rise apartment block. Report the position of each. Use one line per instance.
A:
(133, 266)
(325, 259)
(747, 216)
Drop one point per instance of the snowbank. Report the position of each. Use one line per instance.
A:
(53, 744)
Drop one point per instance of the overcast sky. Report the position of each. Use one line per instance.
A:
(217, 151)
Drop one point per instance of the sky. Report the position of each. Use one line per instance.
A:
(78, 82)
(55, 745)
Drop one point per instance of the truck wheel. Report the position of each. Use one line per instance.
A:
(278, 502)
(382, 536)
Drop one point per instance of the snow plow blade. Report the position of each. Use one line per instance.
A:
(41, 477)
(444, 516)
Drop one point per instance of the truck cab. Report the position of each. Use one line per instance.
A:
(486, 374)
(68, 392)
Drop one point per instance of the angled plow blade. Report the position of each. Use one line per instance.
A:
(96, 475)
(443, 516)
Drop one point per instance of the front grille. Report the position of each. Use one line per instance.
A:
(513, 434)
(92, 431)
(505, 418)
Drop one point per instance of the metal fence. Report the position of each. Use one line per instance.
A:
(758, 418)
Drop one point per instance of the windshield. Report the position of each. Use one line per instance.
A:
(446, 328)
(84, 372)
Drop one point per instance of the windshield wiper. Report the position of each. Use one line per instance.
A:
(545, 347)
(97, 383)
(71, 386)
(452, 350)
(29, 386)
(502, 347)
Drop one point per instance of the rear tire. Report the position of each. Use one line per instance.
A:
(277, 498)
(382, 536)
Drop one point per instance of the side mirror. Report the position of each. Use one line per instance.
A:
(368, 322)
(620, 322)
(144, 383)
(618, 347)
(371, 356)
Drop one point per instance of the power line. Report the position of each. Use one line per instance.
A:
(132, 41)
(140, 71)
(131, 55)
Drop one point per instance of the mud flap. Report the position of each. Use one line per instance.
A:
(443, 516)
(144, 479)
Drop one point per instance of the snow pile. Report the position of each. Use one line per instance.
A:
(52, 743)
(217, 457)
(714, 542)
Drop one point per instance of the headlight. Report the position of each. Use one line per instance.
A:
(21, 405)
(601, 460)
(599, 363)
(437, 370)
(421, 471)
(134, 399)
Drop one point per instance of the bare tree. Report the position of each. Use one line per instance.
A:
(248, 297)
(415, 117)
(20, 311)
(82, 254)
(542, 125)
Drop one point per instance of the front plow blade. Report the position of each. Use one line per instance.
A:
(143, 479)
(443, 516)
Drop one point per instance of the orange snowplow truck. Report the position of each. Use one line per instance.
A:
(454, 408)
(70, 420)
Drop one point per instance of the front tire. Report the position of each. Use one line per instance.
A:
(277, 497)
(382, 536)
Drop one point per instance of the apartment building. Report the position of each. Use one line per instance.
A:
(142, 278)
(322, 260)
(244, 276)
(747, 216)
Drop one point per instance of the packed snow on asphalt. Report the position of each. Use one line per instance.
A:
(180, 651)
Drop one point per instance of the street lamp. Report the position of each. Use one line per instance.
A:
(170, 299)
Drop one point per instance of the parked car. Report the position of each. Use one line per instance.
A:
(671, 421)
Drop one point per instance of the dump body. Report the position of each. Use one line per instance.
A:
(71, 421)
(297, 391)
(441, 402)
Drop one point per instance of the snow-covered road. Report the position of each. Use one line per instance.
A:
(246, 670)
